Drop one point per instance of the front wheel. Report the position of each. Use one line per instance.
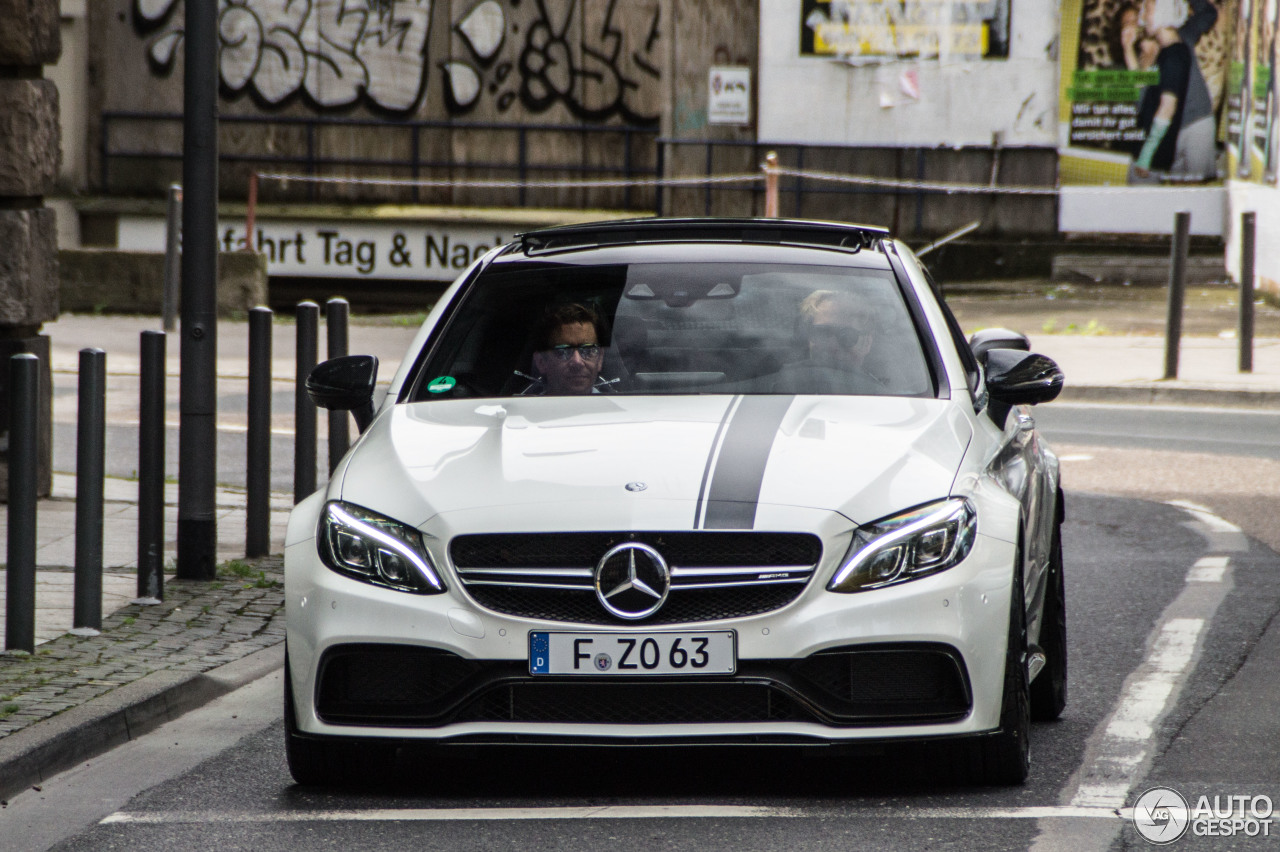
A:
(1049, 689)
(1004, 758)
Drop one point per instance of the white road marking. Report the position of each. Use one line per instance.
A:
(606, 812)
(1204, 515)
(1120, 750)
(1209, 569)
(1145, 699)
(1074, 457)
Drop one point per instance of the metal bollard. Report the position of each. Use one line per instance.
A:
(20, 581)
(90, 467)
(1248, 252)
(151, 398)
(1177, 291)
(258, 452)
(304, 410)
(337, 313)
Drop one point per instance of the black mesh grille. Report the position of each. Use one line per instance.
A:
(633, 703)
(752, 551)
(683, 606)
(928, 679)
(583, 550)
(400, 685)
(388, 681)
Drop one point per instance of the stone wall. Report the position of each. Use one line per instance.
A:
(29, 163)
(132, 282)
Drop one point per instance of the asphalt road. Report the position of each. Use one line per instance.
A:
(1217, 431)
(219, 780)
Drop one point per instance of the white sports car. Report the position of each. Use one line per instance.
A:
(660, 482)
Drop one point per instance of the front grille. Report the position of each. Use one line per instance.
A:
(633, 704)
(405, 686)
(714, 575)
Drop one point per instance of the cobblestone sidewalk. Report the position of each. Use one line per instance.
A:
(198, 627)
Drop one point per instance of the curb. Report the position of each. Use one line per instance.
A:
(1156, 394)
(32, 755)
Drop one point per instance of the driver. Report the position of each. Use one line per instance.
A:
(569, 354)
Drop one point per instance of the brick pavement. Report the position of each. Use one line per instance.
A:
(198, 627)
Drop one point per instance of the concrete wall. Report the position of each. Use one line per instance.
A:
(954, 102)
(1264, 201)
(132, 282)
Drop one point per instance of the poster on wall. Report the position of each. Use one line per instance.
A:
(1143, 90)
(884, 30)
(1252, 131)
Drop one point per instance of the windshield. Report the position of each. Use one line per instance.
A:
(664, 328)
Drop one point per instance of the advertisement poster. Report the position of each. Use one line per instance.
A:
(1253, 123)
(1143, 90)
(885, 30)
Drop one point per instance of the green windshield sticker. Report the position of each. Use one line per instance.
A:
(444, 384)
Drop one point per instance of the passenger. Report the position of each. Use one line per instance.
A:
(569, 354)
(838, 330)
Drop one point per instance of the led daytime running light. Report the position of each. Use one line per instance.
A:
(958, 511)
(395, 545)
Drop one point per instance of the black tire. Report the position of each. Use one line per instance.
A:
(1049, 689)
(1004, 758)
(312, 762)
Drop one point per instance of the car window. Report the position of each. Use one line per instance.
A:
(663, 328)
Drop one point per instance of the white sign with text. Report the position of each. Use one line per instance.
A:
(328, 248)
(729, 95)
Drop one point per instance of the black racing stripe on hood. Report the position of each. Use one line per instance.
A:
(734, 491)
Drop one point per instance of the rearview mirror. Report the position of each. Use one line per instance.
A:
(1015, 377)
(987, 339)
(345, 384)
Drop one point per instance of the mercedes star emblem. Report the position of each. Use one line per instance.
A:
(632, 580)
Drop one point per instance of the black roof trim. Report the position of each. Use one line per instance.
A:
(797, 232)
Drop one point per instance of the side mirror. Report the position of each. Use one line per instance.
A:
(987, 339)
(1016, 377)
(345, 384)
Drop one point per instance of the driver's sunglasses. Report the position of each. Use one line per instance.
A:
(588, 351)
(843, 335)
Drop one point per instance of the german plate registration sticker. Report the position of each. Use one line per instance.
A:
(693, 652)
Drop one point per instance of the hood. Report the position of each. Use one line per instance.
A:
(676, 462)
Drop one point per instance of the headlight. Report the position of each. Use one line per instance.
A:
(367, 546)
(905, 547)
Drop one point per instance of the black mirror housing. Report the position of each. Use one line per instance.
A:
(1016, 377)
(345, 384)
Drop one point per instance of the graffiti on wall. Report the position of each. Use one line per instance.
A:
(338, 53)
(596, 69)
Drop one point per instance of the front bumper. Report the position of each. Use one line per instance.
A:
(920, 660)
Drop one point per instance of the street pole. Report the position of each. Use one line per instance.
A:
(1177, 291)
(1248, 253)
(197, 435)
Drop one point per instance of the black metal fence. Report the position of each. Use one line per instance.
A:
(132, 143)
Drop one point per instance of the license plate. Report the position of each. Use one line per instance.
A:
(703, 652)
